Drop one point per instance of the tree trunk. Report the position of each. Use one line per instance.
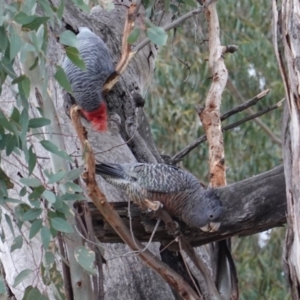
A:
(287, 46)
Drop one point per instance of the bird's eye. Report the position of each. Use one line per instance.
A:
(211, 216)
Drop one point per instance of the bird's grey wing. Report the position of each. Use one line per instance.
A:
(160, 178)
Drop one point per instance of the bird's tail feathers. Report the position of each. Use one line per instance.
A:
(111, 170)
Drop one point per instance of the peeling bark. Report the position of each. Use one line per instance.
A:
(286, 33)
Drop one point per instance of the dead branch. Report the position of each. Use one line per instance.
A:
(253, 205)
(245, 105)
(265, 128)
(251, 117)
(126, 53)
(186, 150)
(114, 220)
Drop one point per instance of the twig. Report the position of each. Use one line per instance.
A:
(170, 26)
(188, 269)
(126, 53)
(185, 151)
(245, 105)
(258, 114)
(268, 131)
(114, 220)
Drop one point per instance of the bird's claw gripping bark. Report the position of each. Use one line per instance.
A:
(153, 205)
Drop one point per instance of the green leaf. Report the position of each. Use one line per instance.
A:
(32, 214)
(23, 191)
(82, 5)
(3, 38)
(21, 276)
(74, 174)
(86, 258)
(191, 3)
(54, 149)
(45, 235)
(38, 122)
(49, 258)
(17, 243)
(49, 196)
(31, 160)
(15, 43)
(62, 79)
(35, 228)
(37, 193)
(2, 287)
(60, 9)
(32, 182)
(68, 38)
(24, 87)
(9, 223)
(19, 79)
(35, 24)
(12, 200)
(24, 120)
(23, 18)
(157, 35)
(134, 35)
(74, 55)
(61, 225)
(35, 294)
(70, 187)
(11, 143)
(5, 123)
(56, 177)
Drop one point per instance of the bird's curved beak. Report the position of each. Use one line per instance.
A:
(211, 227)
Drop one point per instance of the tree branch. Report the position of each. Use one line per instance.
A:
(185, 151)
(266, 129)
(253, 205)
(245, 105)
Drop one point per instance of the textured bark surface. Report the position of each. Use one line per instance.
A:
(286, 32)
(125, 277)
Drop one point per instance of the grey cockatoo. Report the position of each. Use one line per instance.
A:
(180, 192)
(87, 85)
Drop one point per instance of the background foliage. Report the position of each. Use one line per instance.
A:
(181, 82)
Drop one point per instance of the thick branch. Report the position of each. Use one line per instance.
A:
(253, 205)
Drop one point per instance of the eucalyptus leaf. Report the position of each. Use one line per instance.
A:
(38, 122)
(157, 35)
(32, 182)
(62, 79)
(32, 214)
(61, 225)
(17, 243)
(35, 228)
(86, 258)
(21, 276)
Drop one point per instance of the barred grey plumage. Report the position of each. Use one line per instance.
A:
(180, 192)
(87, 85)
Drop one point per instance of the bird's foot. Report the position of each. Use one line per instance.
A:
(173, 228)
(153, 205)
